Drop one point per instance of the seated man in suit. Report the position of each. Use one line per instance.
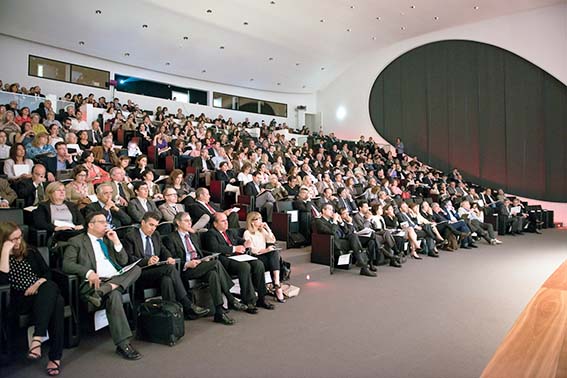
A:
(227, 175)
(115, 216)
(64, 160)
(513, 222)
(250, 274)
(7, 194)
(329, 224)
(205, 165)
(307, 212)
(528, 220)
(456, 226)
(344, 200)
(277, 188)
(202, 211)
(327, 197)
(32, 189)
(140, 205)
(96, 256)
(369, 242)
(185, 245)
(105, 154)
(121, 193)
(144, 243)
(170, 207)
(264, 198)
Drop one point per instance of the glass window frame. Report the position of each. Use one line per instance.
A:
(258, 101)
(71, 65)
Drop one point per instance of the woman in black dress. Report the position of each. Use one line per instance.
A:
(31, 290)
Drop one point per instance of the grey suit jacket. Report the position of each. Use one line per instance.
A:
(137, 211)
(168, 212)
(79, 256)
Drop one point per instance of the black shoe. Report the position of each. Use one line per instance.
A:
(266, 305)
(128, 352)
(224, 319)
(395, 263)
(365, 272)
(433, 254)
(94, 299)
(466, 247)
(238, 306)
(473, 245)
(195, 312)
(251, 309)
(372, 268)
(537, 232)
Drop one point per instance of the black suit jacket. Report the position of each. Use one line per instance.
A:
(133, 245)
(196, 211)
(42, 216)
(224, 176)
(303, 206)
(176, 246)
(198, 163)
(214, 241)
(323, 226)
(119, 218)
(250, 189)
(26, 190)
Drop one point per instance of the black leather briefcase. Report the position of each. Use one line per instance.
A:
(160, 322)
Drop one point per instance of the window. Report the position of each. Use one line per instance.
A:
(250, 105)
(130, 84)
(67, 72)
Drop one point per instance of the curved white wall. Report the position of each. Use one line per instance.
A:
(539, 36)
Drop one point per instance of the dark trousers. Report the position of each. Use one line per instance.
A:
(271, 260)
(117, 320)
(351, 242)
(216, 276)
(48, 314)
(250, 276)
(169, 281)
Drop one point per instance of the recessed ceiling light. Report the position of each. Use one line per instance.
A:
(209, 11)
(145, 26)
(373, 38)
(297, 64)
(476, 7)
(352, 7)
(402, 14)
(203, 71)
(412, 6)
(167, 64)
(272, 2)
(403, 28)
(221, 47)
(81, 43)
(126, 54)
(348, 30)
(322, 68)
(185, 38)
(98, 11)
(251, 79)
(270, 59)
(322, 20)
(379, 18)
(245, 23)
(278, 83)
(436, 18)
(303, 86)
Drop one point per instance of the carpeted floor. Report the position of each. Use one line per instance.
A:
(433, 318)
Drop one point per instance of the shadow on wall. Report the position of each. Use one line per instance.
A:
(497, 117)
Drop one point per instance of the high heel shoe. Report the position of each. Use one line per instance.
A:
(278, 290)
(416, 256)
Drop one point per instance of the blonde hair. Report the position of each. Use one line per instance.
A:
(38, 136)
(251, 217)
(51, 188)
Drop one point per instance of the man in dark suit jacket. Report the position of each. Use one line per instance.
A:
(250, 274)
(264, 198)
(202, 211)
(140, 205)
(95, 257)
(327, 197)
(115, 216)
(185, 244)
(307, 212)
(344, 200)
(329, 224)
(513, 223)
(204, 165)
(27, 188)
(145, 244)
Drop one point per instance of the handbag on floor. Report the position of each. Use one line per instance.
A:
(285, 270)
(290, 290)
(160, 322)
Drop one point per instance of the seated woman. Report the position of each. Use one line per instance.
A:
(245, 175)
(78, 190)
(139, 166)
(260, 235)
(153, 189)
(84, 141)
(185, 194)
(17, 157)
(392, 223)
(40, 146)
(390, 247)
(96, 174)
(31, 290)
(62, 219)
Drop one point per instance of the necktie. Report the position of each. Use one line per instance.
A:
(148, 249)
(120, 190)
(224, 234)
(39, 194)
(174, 208)
(106, 254)
(314, 211)
(190, 249)
(210, 208)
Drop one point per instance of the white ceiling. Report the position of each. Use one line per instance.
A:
(288, 31)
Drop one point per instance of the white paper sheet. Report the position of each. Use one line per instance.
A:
(20, 169)
(100, 320)
(242, 258)
(344, 259)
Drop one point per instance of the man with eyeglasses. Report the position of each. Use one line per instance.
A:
(96, 257)
(170, 208)
(115, 216)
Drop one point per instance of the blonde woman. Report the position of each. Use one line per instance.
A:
(262, 246)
